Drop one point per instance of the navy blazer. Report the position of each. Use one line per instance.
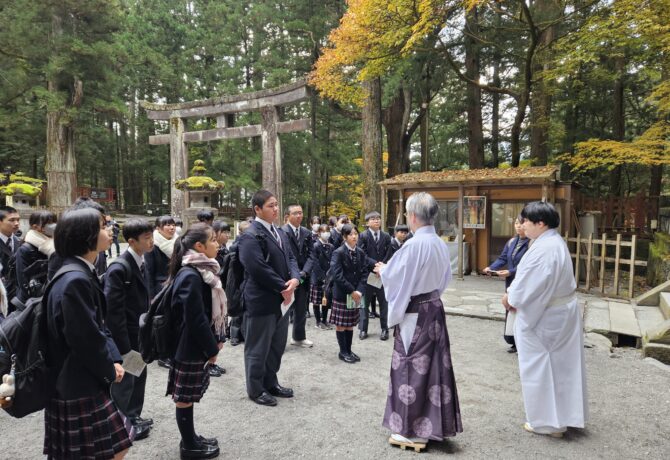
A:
(506, 259)
(80, 345)
(301, 248)
(321, 255)
(156, 264)
(265, 278)
(393, 248)
(193, 297)
(5, 254)
(349, 274)
(375, 251)
(125, 303)
(56, 262)
(335, 238)
(26, 256)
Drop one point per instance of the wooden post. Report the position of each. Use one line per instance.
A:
(178, 166)
(603, 254)
(271, 162)
(460, 233)
(616, 263)
(588, 262)
(631, 285)
(577, 254)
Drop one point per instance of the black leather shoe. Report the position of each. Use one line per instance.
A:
(362, 335)
(355, 356)
(265, 399)
(208, 441)
(142, 421)
(222, 370)
(384, 335)
(347, 358)
(281, 392)
(374, 314)
(234, 341)
(166, 363)
(141, 431)
(213, 371)
(511, 349)
(200, 451)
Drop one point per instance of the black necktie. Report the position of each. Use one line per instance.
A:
(297, 233)
(376, 236)
(142, 270)
(275, 234)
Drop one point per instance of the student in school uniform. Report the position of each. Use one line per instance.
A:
(127, 298)
(157, 260)
(321, 255)
(198, 294)
(206, 216)
(271, 277)
(9, 245)
(222, 232)
(399, 237)
(81, 421)
(33, 255)
(350, 267)
(375, 243)
(336, 230)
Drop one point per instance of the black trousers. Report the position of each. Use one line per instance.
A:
(128, 394)
(264, 344)
(237, 328)
(300, 306)
(372, 293)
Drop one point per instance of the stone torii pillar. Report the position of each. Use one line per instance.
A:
(224, 108)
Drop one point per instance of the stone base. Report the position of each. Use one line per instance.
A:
(658, 351)
(190, 215)
(659, 333)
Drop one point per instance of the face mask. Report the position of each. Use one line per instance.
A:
(325, 236)
(49, 230)
(315, 228)
(339, 227)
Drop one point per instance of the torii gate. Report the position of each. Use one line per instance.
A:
(224, 108)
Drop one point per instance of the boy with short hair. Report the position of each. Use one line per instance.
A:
(127, 294)
(399, 237)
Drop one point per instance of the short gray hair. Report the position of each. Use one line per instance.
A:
(423, 206)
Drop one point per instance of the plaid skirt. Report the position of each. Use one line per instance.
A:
(341, 316)
(187, 381)
(85, 428)
(316, 293)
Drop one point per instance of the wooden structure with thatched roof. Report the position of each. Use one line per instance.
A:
(495, 197)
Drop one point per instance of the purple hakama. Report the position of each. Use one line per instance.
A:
(422, 398)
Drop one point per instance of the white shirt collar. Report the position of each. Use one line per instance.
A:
(266, 224)
(4, 237)
(397, 241)
(88, 264)
(349, 247)
(139, 259)
(292, 227)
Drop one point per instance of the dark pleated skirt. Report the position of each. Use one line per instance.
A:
(187, 381)
(85, 428)
(341, 316)
(316, 293)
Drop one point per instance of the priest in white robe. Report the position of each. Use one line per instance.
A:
(548, 330)
(422, 401)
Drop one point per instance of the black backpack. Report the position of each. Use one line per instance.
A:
(234, 284)
(160, 327)
(23, 341)
(127, 269)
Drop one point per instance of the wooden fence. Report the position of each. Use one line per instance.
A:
(593, 251)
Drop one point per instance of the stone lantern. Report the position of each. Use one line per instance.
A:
(200, 189)
(21, 192)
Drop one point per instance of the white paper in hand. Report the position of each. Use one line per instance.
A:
(133, 363)
(285, 306)
(374, 280)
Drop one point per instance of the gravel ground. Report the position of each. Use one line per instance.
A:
(338, 407)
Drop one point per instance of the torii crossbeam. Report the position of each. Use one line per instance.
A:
(224, 108)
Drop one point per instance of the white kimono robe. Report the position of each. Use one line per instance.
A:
(549, 336)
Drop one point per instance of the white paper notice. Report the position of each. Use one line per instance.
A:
(133, 363)
(407, 327)
(285, 306)
(375, 280)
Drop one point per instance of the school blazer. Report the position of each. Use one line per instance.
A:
(349, 275)
(265, 279)
(156, 264)
(375, 251)
(125, 303)
(25, 257)
(5, 254)
(321, 255)
(193, 297)
(301, 248)
(392, 249)
(506, 258)
(336, 238)
(81, 348)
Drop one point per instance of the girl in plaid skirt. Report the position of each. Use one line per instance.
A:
(198, 294)
(321, 255)
(350, 267)
(80, 420)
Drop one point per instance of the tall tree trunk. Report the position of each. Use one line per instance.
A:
(474, 93)
(495, 115)
(395, 118)
(61, 164)
(372, 145)
(619, 121)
